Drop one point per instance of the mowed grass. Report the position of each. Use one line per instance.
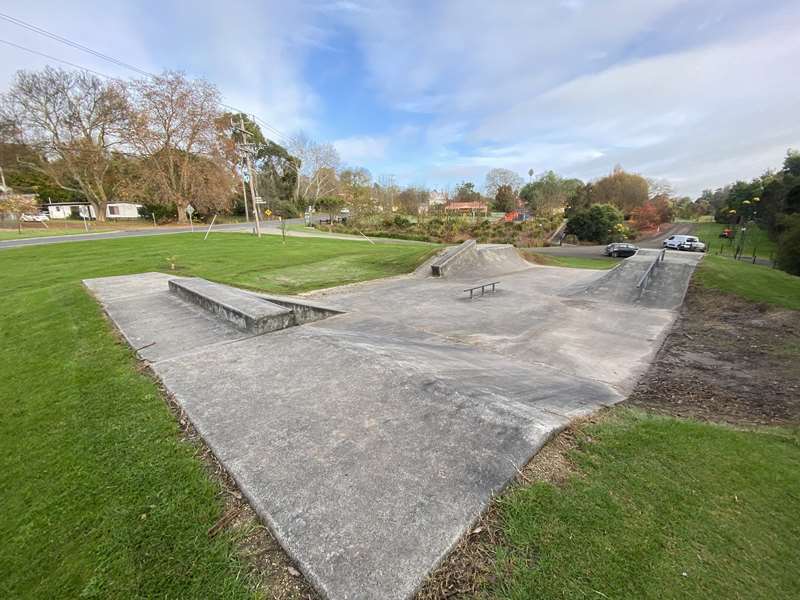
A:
(574, 262)
(100, 497)
(757, 283)
(755, 239)
(659, 508)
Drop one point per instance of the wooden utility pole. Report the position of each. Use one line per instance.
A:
(251, 177)
(245, 146)
(244, 196)
(244, 183)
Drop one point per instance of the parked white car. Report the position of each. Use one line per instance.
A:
(684, 242)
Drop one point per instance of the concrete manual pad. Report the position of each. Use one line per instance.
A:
(370, 441)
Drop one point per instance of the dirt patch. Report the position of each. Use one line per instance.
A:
(727, 360)
(471, 567)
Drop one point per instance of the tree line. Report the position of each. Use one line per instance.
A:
(772, 201)
(164, 142)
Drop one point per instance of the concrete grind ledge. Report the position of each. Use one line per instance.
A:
(246, 312)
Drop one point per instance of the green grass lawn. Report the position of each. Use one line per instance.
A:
(100, 497)
(659, 508)
(575, 262)
(753, 282)
(754, 239)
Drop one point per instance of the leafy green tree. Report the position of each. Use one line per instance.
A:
(788, 253)
(580, 199)
(466, 192)
(550, 193)
(596, 223)
(505, 200)
(330, 204)
(791, 164)
(276, 168)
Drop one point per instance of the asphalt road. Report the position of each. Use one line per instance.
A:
(594, 251)
(109, 235)
(267, 227)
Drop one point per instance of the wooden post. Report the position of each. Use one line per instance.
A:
(210, 226)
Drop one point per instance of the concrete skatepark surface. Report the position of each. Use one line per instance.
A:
(369, 441)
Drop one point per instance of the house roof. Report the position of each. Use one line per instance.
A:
(477, 204)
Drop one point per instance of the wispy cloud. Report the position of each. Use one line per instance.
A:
(698, 92)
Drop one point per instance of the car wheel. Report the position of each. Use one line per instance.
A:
(613, 255)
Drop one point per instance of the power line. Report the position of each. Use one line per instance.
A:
(66, 62)
(116, 61)
(63, 40)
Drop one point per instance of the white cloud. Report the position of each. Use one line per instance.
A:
(254, 53)
(360, 149)
(580, 86)
(699, 92)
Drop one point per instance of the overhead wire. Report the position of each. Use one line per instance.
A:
(49, 34)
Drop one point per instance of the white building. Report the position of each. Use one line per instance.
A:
(122, 210)
(84, 210)
(67, 210)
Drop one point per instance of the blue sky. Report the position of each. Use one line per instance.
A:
(699, 93)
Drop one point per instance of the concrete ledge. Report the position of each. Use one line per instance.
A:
(304, 312)
(441, 266)
(245, 311)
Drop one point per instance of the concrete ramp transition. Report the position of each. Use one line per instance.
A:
(474, 261)
(649, 278)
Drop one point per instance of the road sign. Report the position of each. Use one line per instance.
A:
(268, 212)
(190, 210)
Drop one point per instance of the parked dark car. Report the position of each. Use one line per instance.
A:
(621, 249)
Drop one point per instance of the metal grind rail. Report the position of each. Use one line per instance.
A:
(645, 279)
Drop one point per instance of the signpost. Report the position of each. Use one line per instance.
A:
(190, 212)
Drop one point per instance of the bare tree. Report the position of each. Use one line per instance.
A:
(73, 121)
(659, 187)
(356, 186)
(387, 189)
(496, 178)
(174, 126)
(318, 166)
(17, 205)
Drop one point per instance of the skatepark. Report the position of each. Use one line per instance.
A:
(369, 425)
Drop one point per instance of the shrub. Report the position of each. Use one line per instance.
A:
(788, 255)
(595, 224)
(401, 222)
(162, 212)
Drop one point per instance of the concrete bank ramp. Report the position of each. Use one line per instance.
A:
(471, 260)
(664, 288)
